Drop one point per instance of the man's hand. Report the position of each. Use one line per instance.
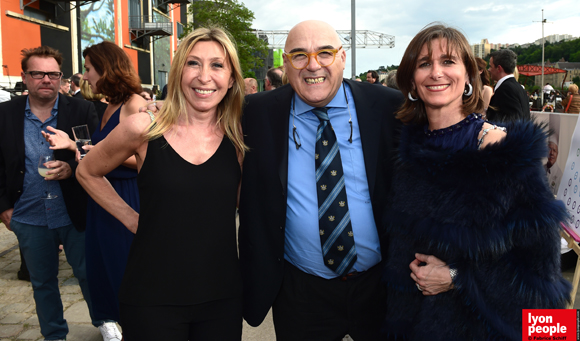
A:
(433, 277)
(6, 217)
(59, 170)
(154, 107)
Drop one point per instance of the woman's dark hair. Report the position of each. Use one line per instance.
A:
(414, 112)
(118, 77)
(482, 66)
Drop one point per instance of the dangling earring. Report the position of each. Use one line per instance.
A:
(467, 92)
(411, 97)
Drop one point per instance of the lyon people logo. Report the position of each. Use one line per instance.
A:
(549, 324)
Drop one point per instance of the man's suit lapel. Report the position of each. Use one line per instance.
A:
(369, 121)
(279, 111)
(62, 119)
(18, 126)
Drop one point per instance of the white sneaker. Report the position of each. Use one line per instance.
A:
(110, 332)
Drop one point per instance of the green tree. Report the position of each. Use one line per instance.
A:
(363, 76)
(93, 31)
(576, 80)
(569, 50)
(235, 18)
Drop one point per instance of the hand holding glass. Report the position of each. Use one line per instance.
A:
(43, 170)
(82, 138)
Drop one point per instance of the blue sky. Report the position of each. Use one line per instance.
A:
(510, 21)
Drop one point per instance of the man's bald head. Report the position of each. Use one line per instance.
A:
(251, 86)
(316, 85)
(311, 29)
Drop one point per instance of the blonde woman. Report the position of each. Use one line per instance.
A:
(182, 280)
(571, 103)
(99, 100)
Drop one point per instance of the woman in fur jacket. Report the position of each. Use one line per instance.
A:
(473, 229)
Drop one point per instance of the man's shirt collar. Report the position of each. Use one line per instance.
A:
(28, 112)
(502, 80)
(339, 101)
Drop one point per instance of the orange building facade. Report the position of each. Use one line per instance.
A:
(147, 30)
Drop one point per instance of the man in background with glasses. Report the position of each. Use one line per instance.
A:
(319, 290)
(41, 224)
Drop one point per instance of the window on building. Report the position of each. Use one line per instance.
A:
(38, 14)
(135, 15)
(137, 19)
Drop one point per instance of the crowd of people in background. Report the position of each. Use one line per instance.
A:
(374, 211)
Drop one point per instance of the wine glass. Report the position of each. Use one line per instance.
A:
(82, 138)
(43, 169)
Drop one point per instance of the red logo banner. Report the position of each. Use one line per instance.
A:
(550, 324)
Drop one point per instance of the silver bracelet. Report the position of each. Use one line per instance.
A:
(453, 273)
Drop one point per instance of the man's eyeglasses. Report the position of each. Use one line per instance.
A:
(41, 74)
(300, 60)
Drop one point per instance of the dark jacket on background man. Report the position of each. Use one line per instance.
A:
(71, 112)
(509, 103)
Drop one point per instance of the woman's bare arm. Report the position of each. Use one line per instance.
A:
(123, 142)
(129, 108)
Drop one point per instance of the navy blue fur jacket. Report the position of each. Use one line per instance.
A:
(490, 214)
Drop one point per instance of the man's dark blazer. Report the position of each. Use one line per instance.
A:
(71, 112)
(78, 95)
(265, 174)
(509, 103)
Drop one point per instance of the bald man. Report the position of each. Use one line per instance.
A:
(251, 86)
(315, 295)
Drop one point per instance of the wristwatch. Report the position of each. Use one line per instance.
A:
(452, 273)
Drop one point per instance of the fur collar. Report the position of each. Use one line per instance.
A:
(524, 146)
(474, 203)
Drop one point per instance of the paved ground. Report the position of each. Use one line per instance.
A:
(18, 319)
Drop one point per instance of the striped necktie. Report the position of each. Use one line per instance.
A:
(336, 235)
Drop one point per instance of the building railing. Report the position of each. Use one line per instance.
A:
(158, 3)
(151, 25)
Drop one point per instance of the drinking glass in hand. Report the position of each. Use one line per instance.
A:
(82, 138)
(43, 169)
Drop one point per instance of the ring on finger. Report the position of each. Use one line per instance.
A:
(418, 286)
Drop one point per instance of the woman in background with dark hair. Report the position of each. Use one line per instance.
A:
(473, 231)
(110, 73)
(486, 90)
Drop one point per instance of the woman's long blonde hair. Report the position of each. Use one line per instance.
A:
(229, 110)
(87, 93)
